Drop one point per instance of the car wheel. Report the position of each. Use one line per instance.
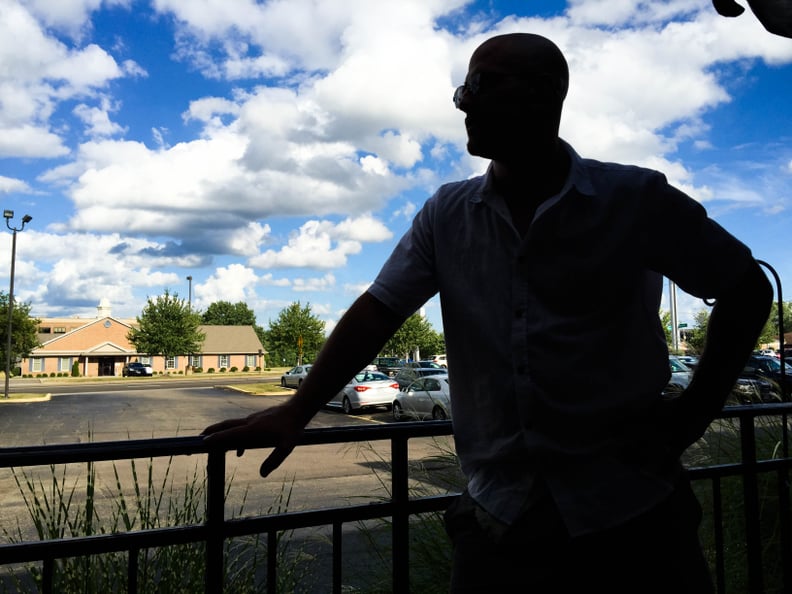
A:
(438, 414)
(398, 413)
(283, 382)
(346, 406)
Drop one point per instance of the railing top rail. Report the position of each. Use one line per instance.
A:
(188, 445)
(185, 446)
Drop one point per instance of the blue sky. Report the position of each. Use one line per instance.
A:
(276, 151)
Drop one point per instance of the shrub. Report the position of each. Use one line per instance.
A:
(245, 369)
(75, 372)
(210, 370)
(57, 508)
(233, 369)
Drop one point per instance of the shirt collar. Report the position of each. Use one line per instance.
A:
(578, 178)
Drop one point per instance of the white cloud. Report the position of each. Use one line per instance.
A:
(321, 244)
(233, 283)
(9, 185)
(323, 283)
(334, 109)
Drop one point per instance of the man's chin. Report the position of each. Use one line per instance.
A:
(479, 149)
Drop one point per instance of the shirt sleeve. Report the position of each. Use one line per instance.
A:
(407, 279)
(686, 245)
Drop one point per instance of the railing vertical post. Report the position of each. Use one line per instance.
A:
(753, 536)
(338, 556)
(132, 570)
(400, 498)
(717, 523)
(215, 517)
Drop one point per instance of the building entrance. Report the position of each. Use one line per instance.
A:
(106, 365)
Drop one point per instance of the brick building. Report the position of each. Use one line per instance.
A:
(100, 347)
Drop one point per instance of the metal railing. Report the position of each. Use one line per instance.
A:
(217, 529)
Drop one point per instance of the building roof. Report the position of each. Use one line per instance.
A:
(230, 340)
(108, 335)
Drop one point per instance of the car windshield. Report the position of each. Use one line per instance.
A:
(371, 376)
(677, 366)
(775, 365)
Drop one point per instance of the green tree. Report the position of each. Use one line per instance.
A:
(24, 331)
(415, 333)
(167, 327)
(665, 320)
(696, 337)
(770, 331)
(295, 337)
(225, 313)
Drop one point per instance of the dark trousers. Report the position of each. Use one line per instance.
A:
(656, 553)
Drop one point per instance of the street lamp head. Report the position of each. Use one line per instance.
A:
(9, 214)
(26, 219)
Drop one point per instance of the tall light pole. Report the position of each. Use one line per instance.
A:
(674, 318)
(9, 214)
(189, 292)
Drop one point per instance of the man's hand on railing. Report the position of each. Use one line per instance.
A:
(280, 426)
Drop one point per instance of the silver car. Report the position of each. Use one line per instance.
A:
(294, 377)
(426, 397)
(681, 375)
(364, 390)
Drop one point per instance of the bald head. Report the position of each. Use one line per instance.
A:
(525, 54)
(513, 97)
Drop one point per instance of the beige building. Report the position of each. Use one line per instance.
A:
(100, 347)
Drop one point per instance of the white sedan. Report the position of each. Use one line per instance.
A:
(427, 397)
(366, 389)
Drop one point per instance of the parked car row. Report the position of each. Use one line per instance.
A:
(421, 389)
(761, 380)
(426, 397)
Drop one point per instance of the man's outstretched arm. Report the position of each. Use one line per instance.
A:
(356, 340)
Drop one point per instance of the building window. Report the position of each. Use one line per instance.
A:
(36, 364)
(145, 360)
(222, 361)
(59, 330)
(170, 362)
(195, 360)
(64, 364)
(250, 360)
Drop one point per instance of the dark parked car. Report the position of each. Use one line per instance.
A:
(389, 365)
(769, 368)
(136, 368)
(412, 371)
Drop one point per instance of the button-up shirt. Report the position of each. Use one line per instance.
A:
(555, 346)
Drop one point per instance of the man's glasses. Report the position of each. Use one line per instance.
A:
(538, 88)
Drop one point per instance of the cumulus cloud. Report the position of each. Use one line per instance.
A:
(294, 127)
(322, 244)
